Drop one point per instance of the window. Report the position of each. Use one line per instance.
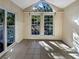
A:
(2, 19)
(42, 6)
(10, 28)
(35, 25)
(48, 25)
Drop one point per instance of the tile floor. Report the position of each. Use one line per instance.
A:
(28, 49)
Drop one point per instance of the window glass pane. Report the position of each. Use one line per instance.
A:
(42, 6)
(48, 25)
(35, 25)
(2, 19)
(10, 28)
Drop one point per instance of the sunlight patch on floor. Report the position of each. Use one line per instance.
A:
(54, 44)
(61, 46)
(45, 45)
(57, 56)
(74, 55)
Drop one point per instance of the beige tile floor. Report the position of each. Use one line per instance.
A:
(28, 49)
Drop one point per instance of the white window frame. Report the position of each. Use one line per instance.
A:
(42, 22)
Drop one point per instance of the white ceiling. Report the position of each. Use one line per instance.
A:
(59, 3)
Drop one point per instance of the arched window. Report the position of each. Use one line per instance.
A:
(47, 19)
(42, 6)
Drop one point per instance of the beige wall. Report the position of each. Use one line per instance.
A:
(23, 25)
(9, 6)
(58, 18)
(70, 14)
(57, 28)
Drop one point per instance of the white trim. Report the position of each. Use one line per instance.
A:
(42, 23)
(5, 32)
(44, 12)
(7, 49)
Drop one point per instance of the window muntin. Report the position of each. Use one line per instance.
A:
(48, 25)
(35, 27)
(42, 6)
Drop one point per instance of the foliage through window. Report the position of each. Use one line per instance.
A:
(35, 25)
(2, 19)
(42, 6)
(10, 28)
(48, 25)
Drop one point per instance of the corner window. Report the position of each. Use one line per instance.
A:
(2, 29)
(10, 28)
